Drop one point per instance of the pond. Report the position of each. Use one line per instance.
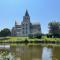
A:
(29, 52)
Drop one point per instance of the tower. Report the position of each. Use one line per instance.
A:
(26, 24)
(26, 17)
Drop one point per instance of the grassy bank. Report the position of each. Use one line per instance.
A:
(50, 39)
(33, 41)
(8, 39)
(18, 39)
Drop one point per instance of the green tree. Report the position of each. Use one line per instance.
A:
(54, 29)
(5, 32)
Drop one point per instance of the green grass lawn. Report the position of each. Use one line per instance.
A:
(29, 39)
(50, 39)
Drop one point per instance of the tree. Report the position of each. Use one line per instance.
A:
(5, 32)
(54, 29)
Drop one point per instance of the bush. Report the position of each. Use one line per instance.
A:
(53, 35)
(30, 36)
(49, 36)
(56, 36)
(37, 35)
(26, 41)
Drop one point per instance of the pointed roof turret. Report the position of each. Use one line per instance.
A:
(16, 23)
(26, 14)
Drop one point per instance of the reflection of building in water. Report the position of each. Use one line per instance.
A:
(30, 53)
(26, 27)
(27, 52)
(47, 53)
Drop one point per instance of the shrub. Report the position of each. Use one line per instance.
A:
(49, 36)
(36, 35)
(30, 36)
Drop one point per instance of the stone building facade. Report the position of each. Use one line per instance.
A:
(26, 27)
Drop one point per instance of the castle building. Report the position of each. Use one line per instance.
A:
(26, 27)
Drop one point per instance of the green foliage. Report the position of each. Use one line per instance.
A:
(35, 35)
(54, 29)
(38, 35)
(5, 32)
(49, 35)
(30, 36)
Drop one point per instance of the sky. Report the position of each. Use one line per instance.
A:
(40, 11)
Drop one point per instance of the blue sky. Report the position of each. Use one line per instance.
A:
(41, 11)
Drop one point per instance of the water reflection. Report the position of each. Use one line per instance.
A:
(56, 53)
(47, 53)
(31, 52)
(27, 52)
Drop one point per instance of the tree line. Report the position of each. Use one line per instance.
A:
(5, 32)
(54, 31)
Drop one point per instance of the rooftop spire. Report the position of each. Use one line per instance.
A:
(26, 14)
(16, 23)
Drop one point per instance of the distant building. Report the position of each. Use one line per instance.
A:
(26, 27)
